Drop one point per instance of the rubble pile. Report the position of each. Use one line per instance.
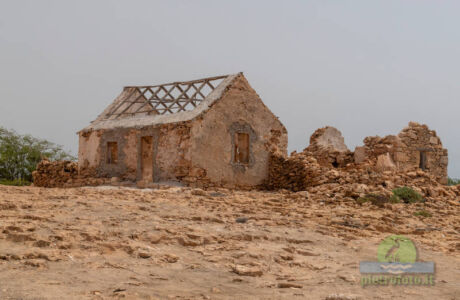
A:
(300, 172)
(327, 167)
(374, 146)
(63, 173)
(54, 174)
(295, 173)
(315, 165)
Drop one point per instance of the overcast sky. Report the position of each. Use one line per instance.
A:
(365, 67)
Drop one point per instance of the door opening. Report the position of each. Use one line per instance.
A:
(423, 161)
(147, 158)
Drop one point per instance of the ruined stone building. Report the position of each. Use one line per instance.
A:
(416, 153)
(415, 147)
(208, 132)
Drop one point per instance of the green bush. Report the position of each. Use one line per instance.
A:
(20, 154)
(423, 213)
(453, 181)
(377, 200)
(403, 194)
(407, 195)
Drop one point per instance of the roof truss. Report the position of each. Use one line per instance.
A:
(166, 98)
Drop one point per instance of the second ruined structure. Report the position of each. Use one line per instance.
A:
(415, 152)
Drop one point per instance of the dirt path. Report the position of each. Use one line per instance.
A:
(179, 243)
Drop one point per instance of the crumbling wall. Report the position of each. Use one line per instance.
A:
(89, 153)
(63, 174)
(54, 174)
(327, 145)
(403, 152)
(171, 144)
(386, 162)
(296, 173)
(416, 140)
(327, 151)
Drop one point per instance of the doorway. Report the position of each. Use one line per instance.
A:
(146, 159)
(423, 160)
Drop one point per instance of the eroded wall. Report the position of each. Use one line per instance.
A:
(418, 138)
(89, 154)
(169, 151)
(327, 146)
(403, 151)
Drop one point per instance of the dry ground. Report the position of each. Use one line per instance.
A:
(180, 243)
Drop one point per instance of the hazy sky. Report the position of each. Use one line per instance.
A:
(366, 67)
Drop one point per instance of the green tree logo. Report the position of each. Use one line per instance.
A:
(397, 248)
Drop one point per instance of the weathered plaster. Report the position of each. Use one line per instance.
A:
(88, 150)
(212, 147)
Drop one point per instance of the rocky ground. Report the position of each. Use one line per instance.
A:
(182, 243)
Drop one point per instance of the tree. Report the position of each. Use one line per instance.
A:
(20, 154)
(453, 181)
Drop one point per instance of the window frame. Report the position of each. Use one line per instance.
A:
(112, 153)
(237, 146)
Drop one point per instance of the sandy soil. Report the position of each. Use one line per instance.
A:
(180, 243)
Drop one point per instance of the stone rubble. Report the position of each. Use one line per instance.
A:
(64, 174)
(381, 165)
(138, 240)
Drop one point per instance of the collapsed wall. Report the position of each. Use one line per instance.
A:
(327, 146)
(412, 157)
(53, 174)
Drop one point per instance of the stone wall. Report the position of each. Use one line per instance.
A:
(54, 174)
(418, 138)
(170, 150)
(403, 152)
(327, 145)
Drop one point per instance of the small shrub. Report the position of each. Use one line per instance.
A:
(15, 182)
(395, 199)
(377, 200)
(407, 195)
(423, 213)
